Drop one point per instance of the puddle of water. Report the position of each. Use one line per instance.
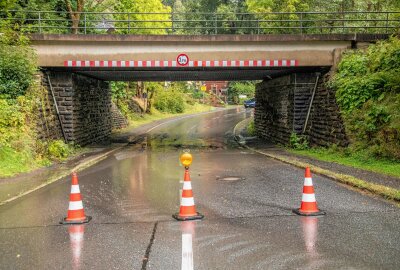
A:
(230, 178)
(162, 142)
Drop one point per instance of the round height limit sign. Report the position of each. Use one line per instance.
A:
(182, 59)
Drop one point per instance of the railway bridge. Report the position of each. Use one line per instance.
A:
(291, 57)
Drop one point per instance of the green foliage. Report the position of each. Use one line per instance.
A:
(367, 87)
(265, 6)
(13, 161)
(357, 158)
(17, 65)
(298, 142)
(120, 90)
(235, 89)
(7, 4)
(58, 149)
(251, 129)
(12, 122)
(169, 101)
(144, 21)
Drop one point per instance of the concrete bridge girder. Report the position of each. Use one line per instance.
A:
(57, 51)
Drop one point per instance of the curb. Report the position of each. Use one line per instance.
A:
(387, 193)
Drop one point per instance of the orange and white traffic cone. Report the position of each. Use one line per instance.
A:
(308, 203)
(187, 209)
(76, 214)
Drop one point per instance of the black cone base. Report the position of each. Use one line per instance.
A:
(66, 222)
(308, 214)
(182, 218)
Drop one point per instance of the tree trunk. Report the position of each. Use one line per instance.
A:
(75, 24)
(75, 15)
(139, 89)
(149, 99)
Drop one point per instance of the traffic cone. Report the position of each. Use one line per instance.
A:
(308, 203)
(187, 210)
(76, 214)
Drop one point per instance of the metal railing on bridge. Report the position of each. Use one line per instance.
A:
(53, 22)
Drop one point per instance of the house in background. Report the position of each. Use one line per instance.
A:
(219, 88)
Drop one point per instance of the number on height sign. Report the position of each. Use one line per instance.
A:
(182, 59)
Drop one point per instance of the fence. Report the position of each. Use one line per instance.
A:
(205, 23)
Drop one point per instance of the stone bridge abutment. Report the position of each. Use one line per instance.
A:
(299, 103)
(84, 108)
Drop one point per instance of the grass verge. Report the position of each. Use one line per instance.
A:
(355, 160)
(386, 192)
(13, 162)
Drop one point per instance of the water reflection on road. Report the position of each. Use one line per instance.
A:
(76, 237)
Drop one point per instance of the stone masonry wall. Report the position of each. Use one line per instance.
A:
(273, 116)
(85, 108)
(326, 125)
(91, 110)
(63, 92)
(48, 125)
(282, 106)
(118, 120)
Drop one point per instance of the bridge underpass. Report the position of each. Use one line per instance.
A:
(78, 69)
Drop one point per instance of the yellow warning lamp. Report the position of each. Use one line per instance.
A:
(186, 159)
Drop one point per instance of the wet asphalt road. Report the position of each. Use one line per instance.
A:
(248, 225)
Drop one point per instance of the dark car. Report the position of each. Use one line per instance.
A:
(251, 103)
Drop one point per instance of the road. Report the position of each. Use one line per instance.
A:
(248, 222)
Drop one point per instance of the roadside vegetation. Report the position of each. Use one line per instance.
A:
(20, 99)
(367, 85)
(251, 129)
(240, 91)
(144, 102)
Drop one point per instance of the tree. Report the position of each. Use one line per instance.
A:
(157, 23)
(241, 88)
(75, 15)
(7, 4)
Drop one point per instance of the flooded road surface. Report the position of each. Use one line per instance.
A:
(247, 200)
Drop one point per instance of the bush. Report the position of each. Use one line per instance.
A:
(57, 149)
(17, 69)
(298, 142)
(12, 122)
(367, 87)
(365, 75)
(169, 101)
(251, 129)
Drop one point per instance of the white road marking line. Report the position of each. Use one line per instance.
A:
(187, 252)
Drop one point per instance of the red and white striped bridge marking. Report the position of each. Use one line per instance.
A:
(195, 63)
